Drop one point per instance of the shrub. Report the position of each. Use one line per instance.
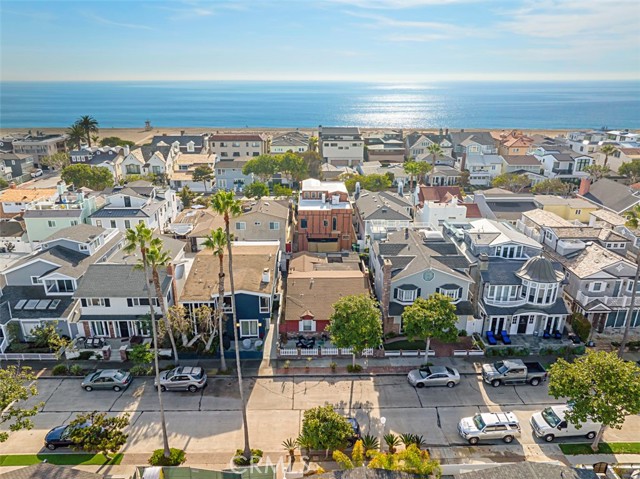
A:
(85, 355)
(60, 370)
(333, 365)
(354, 368)
(176, 457)
(239, 460)
(581, 326)
(139, 370)
(76, 370)
(580, 350)
(462, 332)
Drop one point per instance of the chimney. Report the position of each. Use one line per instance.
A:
(265, 275)
(585, 183)
(181, 132)
(463, 162)
(127, 150)
(61, 188)
(13, 185)
(484, 262)
(324, 197)
(400, 188)
(386, 294)
(357, 188)
(446, 131)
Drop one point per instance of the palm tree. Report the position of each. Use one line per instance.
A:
(606, 150)
(412, 169)
(633, 220)
(216, 242)
(140, 239)
(313, 143)
(89, 124)
(157, 258)
(435, 151)
(76, 135)
(224, 203)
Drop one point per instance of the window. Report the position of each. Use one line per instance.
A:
(307, 325)
(127, 224)
(74, 222)
(578, 212)
(596, 287)
(264, 304)
(248, 328)
(35, 280)
(451, 293)
(113, 224)
(99, 223)
(241, 225)
(133, 169)
(325, 223)
(274, 225)
(334, 223)
(406, 295)
(52, 224)
(303, 223)
(84, 247)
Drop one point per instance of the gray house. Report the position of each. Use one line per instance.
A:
(378, 213)
(17, 166)
(229, 174)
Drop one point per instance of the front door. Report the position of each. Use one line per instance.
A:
(124, 329)
(522, 324)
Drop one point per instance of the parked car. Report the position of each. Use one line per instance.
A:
(184, 378)
(35, 173)
(59, 436)
(433, 376)
(551, 423)
(513, 371)
(115, 379)
(356, 430)
(492, 425)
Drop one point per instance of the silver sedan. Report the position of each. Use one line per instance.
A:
(434, 376)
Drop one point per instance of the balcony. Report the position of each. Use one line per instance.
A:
(562, 171)
(610, 301)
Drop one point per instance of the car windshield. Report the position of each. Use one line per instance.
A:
(477, 420)
(119, 375)
(171, 373)
(198, 375)
(550, 417)
(500, 367)
(424, 373)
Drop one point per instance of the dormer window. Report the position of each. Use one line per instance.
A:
(406, 293)
(191, 147)
(451, 290)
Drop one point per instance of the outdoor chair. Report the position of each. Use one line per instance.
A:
(491, 338)
(557, 334)
(546, 334)
(505, 337)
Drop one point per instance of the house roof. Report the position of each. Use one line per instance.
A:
(237, 163)
(24, 195)
(521, 160)
(82, 233)
(546, 218)
(172, 246)
(116, 281)
(501, 271)
(510, 210)
(267, 206)
(529, 470)
(439, 194)
(237, 137)
(490, 232)
(11, 228)
(249, 261)
(592, 259)
(610, 217)
(198, 140)
(327, 132)
(50, 471)
(383, 205)
(11, 295)
(553, 200)
(473, 210)
(53, 213)
(292, 138)
(539, 270)
(367, 473)
(611, 195)
(202, 221)
(466, 137)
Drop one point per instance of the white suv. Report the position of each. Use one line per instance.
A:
(492, 425)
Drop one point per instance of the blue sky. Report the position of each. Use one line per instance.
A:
(377, 40)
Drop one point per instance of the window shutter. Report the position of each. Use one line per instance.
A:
(395, 293)
(418, 293)
(107, 302)
(130, 302)
(84, 302)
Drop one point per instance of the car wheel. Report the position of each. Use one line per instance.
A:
(51, 447)
(508, 439)
(495, 383)
(162, 388)
(591, 435)
(473, 441)
(88, 388)
(420, 385)
(451, 384)
(534, 381)
(193, 389)
(117, 388)
(549, 437)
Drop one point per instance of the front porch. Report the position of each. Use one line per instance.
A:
(530, 344)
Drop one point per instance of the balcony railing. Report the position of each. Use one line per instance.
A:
(611, 301)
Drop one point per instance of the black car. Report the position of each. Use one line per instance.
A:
(59, 437)
(356, 430)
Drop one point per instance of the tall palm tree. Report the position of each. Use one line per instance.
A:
(140, 239)
(90, 125)
(412, 169)
(313, 143)
(633, 220)
(216, 242)
(435, 151)
(157, 258)
(76, 135)
(606, 150)
(224, 203)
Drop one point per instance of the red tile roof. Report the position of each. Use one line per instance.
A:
(473, 211)
(438, 194)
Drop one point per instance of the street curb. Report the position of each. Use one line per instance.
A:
(279, 376)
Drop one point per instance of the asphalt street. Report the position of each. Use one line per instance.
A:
(210, 422)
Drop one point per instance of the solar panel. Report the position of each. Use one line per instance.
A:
(20, 304)
(54, 304)
(43, 304)
(31, 304)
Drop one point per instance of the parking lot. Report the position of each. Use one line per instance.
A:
(210, 421)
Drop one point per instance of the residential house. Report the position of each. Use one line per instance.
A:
(503, 205)
(185, 144)
(599, 286)
(384, 146)
(194, 225)
(409, 265)
(255, 274)
(14, 201)
(613, 221)
(443, 175)
(520, 163)
(333, 173)
(436, 205)
(13, 237)
(417, 144)
(378, 213)
(324, 217)
(106, 157)
(154, 160)
(265, 219)
(512, 143)
(609, 194)
(562, 163)
(314, 284)
(623, 155)
(294, 141)
(113, 295)
(6, 142)
(184, 165)
(472, 143)
(229, 175)
(622, 136)
(40, 145)
(238, 145)
(17, 166)
(137, 202)
(43, 218)
(568, 208)
(482, 168)
(40, 286)
(518, 290)
(375, 167)
(341, 146)
(586, 141)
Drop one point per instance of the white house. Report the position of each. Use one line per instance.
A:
(292, 141)
(341, 146)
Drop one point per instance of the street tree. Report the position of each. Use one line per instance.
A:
(76, 136)
(180, 322)
(597, 171)
(203, 173)
(187, 196)
(355, 323)
(434, 317)
(17, 384)
(90, 126)
(411, 168)
(313, 143)
(279, 190)
(600, 386)
(511, 182)
(217, 242)
(313, 160)
(95, 431)
(293, 166)
(372, 182)
(551, 186)
(606, 150)
(435, 151)
(263, 166)
(464, 178)
(630, 169)
(57, 161)
(256, 190)
(325, 429)
(82, 175)
(224, 203)
(207, 330)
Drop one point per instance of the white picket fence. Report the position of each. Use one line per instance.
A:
(27, 357)
(290, 352)
(408, 353)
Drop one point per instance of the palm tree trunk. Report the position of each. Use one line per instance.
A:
(154, 330)
(426, 350)
(220, 315)
(247, 449)
(598, 438)
(165, 313)
(629, 318)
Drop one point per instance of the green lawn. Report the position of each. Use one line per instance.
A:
(59, 459)
(604, 448)
(405, 345)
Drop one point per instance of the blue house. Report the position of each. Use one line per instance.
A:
(255, 276)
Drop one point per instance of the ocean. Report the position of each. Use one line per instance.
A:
(542, 105)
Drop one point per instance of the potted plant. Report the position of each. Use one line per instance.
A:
(333, 366)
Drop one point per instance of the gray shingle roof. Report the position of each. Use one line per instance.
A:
(382, 206)
(49, 471)
(116, 281)
(82, 233)
(13, 294)
(366, 473)
(539, 270)
(48, 213)
(612, 195)
(529, 470)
